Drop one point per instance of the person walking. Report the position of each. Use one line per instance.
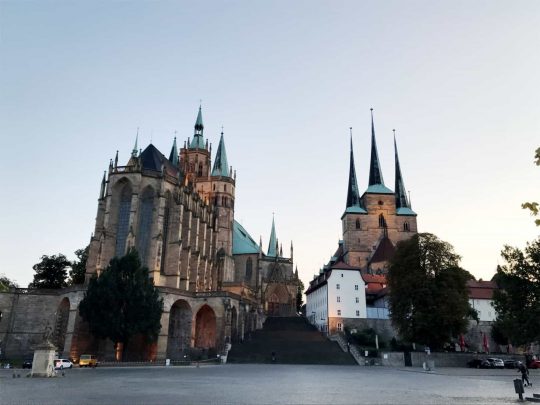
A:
(524, 374)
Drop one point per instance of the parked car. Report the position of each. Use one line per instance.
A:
(88, 360)
(60, 364)
(510, 364)
(27, 363)
(534, 364)
(495, 362)
(479, 363)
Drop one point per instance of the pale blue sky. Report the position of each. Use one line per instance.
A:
(459, 80)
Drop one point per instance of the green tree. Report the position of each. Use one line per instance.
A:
(6, 283)
(123, 302)
(51, 272)
(78, 268)
(299, 296)
(428, 295)
(517, 301)
(533, 206)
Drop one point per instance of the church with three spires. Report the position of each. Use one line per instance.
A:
(352, 285)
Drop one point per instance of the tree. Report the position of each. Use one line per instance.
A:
(299, 296)
(51, 272)
(517, 301)
(123, 302)
(6, 283)
(78, 268)
(428, 295)
(533, 206)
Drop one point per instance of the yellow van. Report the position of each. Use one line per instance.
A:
(88, 360)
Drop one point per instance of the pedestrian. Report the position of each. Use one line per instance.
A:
(273, 357)
(524, 374)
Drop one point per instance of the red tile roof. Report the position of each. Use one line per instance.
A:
(481, 290)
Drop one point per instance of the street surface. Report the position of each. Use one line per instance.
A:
(264, 384)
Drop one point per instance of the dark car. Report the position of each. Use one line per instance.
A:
(27, 364)
(510, 364)
(479, 363)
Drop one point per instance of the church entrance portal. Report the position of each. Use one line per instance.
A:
(205, 328)
(179, 340)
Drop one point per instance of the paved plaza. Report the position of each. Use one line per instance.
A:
(264, 384)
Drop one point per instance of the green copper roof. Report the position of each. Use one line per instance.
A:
(272, 249)
(198, 139)
(173, 157)
(221, 167)
(378, 189)
(353, 196)
(401, 196)
(243, 243)
(405, 211)
(375, 172)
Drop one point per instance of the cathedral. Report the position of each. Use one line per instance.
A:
(216, 282)
(352, 285)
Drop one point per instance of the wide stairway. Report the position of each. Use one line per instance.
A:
(293, 340)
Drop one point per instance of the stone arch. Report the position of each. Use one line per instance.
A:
(179, 339)
(205, 328)
(146, 211)
(61, 324)
(234, 325)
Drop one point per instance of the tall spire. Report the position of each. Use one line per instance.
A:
(198, 139)
(375, 173)
(272, 244)
(173, 157)
(403, 205)
(135, 148)
(221, 167)
(353, 197)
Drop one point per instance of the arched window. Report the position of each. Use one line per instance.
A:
(406, 227)
(357, 223)
(382, 221)
(122, 224)
(249, 269)
(165, 230)
(145, 223)
(200, 170)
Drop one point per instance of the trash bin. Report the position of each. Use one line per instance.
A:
(518, 386)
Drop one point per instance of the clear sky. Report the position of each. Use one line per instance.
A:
(458, 80)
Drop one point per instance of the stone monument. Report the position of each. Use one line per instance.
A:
(43, 363)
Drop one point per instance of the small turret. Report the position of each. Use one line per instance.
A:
(198, 138)
(272, 248)
(221, 166)
(135, 149)
(102, 190)
(173, 157)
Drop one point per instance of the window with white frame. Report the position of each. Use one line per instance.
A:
(356, 287)
(339, 326)
(337, 286)
(339, 312)
(338, 298)
(357, 313)
(357, 300)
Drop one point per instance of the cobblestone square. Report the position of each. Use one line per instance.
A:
(264, 384)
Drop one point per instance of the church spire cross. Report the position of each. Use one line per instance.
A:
(198, 138)
(375, 172)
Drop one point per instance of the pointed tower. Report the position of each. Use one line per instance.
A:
(272, 244)
(376, 182)
(405, 216)
(173, 156)
(221, 167)
(195, 155)
(354, 214)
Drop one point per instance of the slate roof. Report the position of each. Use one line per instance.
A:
(152, 158)
(384, 252)
(221, 166)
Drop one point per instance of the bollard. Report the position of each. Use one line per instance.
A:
(518, 386)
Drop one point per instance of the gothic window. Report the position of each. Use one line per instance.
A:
(406, 227)
(122, 225)
(165, 230)
(357, 223)
(200, 170)
(382, 221)
(145, 223)
(249, 269)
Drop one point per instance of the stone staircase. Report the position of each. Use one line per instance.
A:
(534, 398)
(293, 340)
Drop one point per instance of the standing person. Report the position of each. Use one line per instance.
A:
(524, 374)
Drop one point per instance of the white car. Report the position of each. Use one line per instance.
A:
(60, 364)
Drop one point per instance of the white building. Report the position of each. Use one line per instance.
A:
(481, 299)
(338, 292)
